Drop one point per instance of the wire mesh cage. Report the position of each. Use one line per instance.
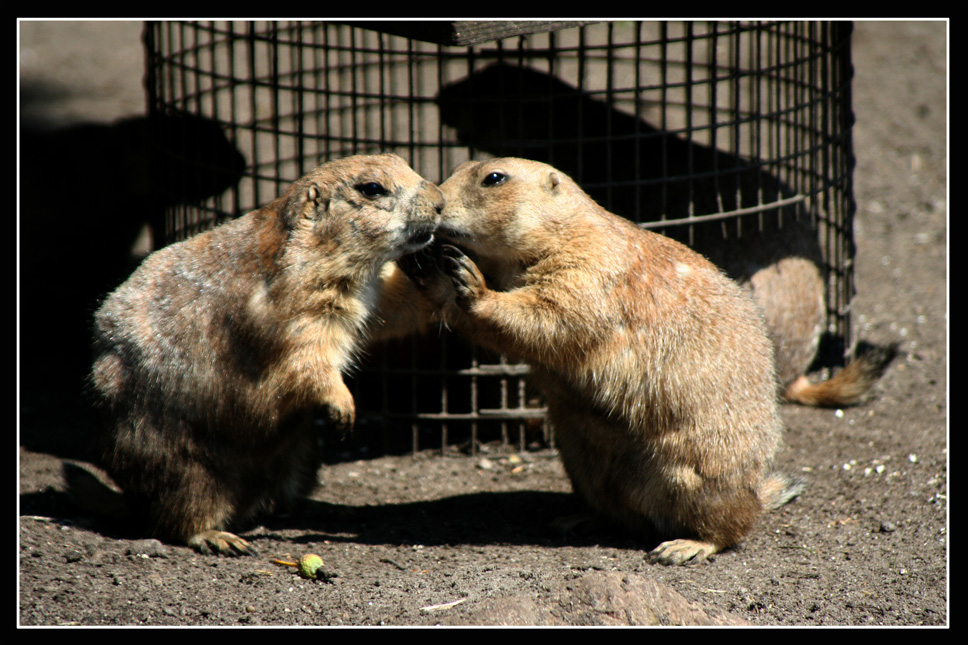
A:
(734, 137)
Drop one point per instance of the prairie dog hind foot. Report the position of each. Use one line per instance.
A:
(682, 552)
(221, 542)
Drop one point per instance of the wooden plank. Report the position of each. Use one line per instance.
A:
(465, 32)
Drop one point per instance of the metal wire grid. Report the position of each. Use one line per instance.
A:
(290, 95)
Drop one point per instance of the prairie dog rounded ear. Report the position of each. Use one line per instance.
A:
(313, 202)
(553, 180)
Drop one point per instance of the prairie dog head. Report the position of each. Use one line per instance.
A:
(372, 204)
(506, 207)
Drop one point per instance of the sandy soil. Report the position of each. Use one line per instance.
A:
(432, 540)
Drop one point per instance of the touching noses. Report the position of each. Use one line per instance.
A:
(437, 197)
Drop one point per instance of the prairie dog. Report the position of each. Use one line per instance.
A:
(210, 358)
(657, 369)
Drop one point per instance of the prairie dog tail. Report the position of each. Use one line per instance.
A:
(91, 494)
(847, 386)
(778, 489)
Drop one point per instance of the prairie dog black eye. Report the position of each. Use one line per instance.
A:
(495, 178)
(371, 189)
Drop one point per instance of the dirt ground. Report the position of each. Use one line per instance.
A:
(431, 540)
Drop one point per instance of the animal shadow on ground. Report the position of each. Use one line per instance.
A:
(478, 518)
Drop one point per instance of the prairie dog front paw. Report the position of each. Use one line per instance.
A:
(468, 281)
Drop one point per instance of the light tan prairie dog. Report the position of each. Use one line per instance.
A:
(656, 368)
(211, 357)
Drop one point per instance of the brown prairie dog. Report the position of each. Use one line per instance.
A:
(657, 369)
(210, 358)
